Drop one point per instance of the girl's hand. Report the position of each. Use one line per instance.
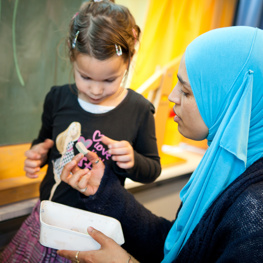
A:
(36, 157)
(121, 151)
(84, 180)
(110, 251)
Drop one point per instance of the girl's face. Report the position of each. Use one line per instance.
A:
(190, 122)
(99, 81)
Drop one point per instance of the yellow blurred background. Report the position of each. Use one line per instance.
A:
(167, 28)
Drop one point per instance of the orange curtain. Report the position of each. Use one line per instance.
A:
(171, 25)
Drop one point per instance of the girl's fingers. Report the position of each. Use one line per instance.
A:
(119, 151)
(30, 170)
(108, 141)
(127, 165)
(47, 144)
(31, 175)
(32, 163)
(33, 155)
(122, 158)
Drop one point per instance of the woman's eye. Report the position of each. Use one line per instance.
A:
(184, 93)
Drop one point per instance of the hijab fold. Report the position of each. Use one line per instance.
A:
(225, 70)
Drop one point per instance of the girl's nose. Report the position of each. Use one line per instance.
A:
(96, 89)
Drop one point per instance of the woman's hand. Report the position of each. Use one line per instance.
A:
(121, 151)
(36, 157)
(109, 252)
(84, 180)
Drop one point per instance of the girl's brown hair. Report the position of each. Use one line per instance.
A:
(101, 26)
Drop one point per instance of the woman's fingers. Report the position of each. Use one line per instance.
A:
(75, 178)
(84, 180)
(92, 157)
(71, 167)
(69, 254)
(110, 251)
(99, 236)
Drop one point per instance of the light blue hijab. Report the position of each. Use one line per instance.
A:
(225, 70)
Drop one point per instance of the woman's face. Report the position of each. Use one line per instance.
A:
(99, 81)
(190, 122)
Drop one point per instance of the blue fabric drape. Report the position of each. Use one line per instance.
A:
(225, 71)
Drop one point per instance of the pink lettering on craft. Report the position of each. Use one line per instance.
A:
(80, 164)
(97, 133)
(99, 147)
(88, 165)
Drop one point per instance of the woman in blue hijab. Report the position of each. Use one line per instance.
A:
(219, 96)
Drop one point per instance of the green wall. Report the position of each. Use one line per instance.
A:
(33, 58)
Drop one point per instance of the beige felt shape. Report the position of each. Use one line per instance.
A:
(81, 148)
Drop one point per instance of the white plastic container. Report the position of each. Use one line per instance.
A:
(64, 227)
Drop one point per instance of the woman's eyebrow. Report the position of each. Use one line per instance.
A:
(183, 81)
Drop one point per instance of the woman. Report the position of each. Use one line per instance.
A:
(219, 96)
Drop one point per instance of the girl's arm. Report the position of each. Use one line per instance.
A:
(147, 165)
(143, 153)
(46, 124)
(37, 155)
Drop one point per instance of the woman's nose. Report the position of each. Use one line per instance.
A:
(174, 95)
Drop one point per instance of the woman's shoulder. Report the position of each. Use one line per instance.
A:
(249, 183)
(233, 222)
(242, 202)
(250, 200)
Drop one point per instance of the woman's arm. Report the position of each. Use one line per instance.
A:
(144, 232)
(108, 253)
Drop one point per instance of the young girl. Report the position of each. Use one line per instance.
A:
(116, 123)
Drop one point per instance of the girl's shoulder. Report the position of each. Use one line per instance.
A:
(59, 96)
(67, 89)
(60, 93)
(138, 100)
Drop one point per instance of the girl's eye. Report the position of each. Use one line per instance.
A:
(109, 80)
(86, 78)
